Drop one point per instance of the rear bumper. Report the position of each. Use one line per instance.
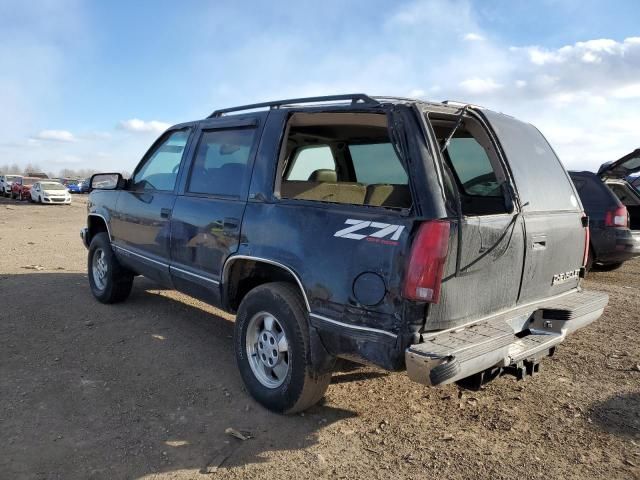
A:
(509, 339)
(624, 246)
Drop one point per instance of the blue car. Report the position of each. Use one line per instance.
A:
(73, 187)
(83, 185)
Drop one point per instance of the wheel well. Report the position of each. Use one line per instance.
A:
(245, 275)
(96, 225)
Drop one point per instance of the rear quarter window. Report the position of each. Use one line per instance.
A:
(540, 178)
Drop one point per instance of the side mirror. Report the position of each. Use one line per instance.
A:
(106, 181)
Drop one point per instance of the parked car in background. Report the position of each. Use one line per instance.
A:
(440, 237)
(612, 242)
(6, 181)
(634, 181)
(21, 188)
(50, 192)
(73, 186)
(36, 175)
(84, 186)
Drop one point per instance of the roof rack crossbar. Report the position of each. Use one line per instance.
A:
(355, 98)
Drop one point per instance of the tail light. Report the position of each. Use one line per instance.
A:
(587, 239)
(617, 218)
(426, 262)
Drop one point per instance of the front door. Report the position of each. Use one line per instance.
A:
(207, 215)
(141, 229)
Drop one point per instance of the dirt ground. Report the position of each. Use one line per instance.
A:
(147, 388)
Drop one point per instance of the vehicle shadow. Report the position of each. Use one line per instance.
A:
(127, 390)
(619, 415)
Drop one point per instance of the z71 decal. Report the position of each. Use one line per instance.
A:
(375, 231)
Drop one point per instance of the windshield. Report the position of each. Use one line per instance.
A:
(11, 178)
(53, 186)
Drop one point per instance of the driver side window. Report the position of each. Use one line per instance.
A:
(159, 170)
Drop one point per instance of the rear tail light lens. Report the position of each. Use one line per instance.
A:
(426, 262)
(617, 218)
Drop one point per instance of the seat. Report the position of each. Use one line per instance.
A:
(323, 175)
(388, 195)
(337, 192)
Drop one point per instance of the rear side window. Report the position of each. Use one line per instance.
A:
(592, 191)
(377, 163)
(473, 167)
(540, 177)
(220, 165)
(342, 158)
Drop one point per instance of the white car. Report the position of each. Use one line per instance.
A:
(5, 184)
(50, 192)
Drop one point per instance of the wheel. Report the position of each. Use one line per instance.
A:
(271, 343)
(110, 282)
(40, 200)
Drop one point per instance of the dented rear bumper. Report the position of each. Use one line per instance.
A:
(512, 339)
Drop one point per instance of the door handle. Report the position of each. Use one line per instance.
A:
(540, 242)
(230, 225)
(165, 212)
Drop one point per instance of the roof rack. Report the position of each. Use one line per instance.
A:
(355, 98)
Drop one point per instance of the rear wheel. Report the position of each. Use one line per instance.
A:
(271, 343)
(110, 282)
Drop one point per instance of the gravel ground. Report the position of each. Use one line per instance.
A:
(147, 388)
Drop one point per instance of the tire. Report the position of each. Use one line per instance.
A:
(110, 282)
(292, 386)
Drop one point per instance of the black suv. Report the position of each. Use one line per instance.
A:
(612, 242)
(443, 238)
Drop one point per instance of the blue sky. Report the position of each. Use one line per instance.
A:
(92, 84)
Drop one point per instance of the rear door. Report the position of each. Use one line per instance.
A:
(554, 232)
(207, 215)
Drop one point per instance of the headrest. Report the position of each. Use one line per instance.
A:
(323, 175)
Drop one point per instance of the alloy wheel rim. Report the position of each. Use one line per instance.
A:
(267, 350)
(99, 269)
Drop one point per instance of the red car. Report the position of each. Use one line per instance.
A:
(21, 188)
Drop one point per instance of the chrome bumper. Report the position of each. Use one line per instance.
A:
(510, 339)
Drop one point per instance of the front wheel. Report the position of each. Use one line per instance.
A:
(110, 282)
(271, 343)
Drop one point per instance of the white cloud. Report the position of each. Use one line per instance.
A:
(473, 37)
(140, 126)
(55, 136)
(479, 85)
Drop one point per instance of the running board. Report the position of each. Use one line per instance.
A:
(506, 340)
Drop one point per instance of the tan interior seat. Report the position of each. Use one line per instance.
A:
(338, 192)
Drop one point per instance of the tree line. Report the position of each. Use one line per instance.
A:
(35, 168)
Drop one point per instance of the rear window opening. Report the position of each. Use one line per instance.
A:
(472, 166)
(630, 199)
(342, 158)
